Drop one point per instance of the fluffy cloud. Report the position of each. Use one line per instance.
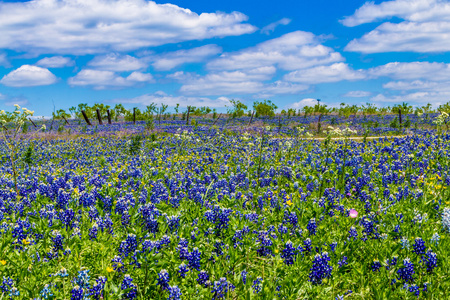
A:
(171, 60)
(357, 94)
(418, 98)
(236, 82)
(413, 10)
(4, 61)
(116, 62)
(413, 70)
(404, 37)
(303, 103)
(333, 73)
(271, 27)
(55, 62)
(425, 29)
(161, 97)
(294, 50)
(413, 85)
(102, 26)
(249, 70)
(28, 75)
(108, 79)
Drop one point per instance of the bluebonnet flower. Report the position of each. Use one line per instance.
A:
(405, 243)
(67, 217)
(430, 260)
(173, 222)
(163, 279)
(203, 278)
(57, 240)
(312, 226)
(244, 277)
(183, 269)
(129, 286)
(61, 273)
(125, 218)
(414, 289)
(14, 292)
(97, 290)
(117, 264)
(128, 246)
(82, 279)
(46, 292)
(77, 293)
(257, 285)
(288, 253)
(174, 293)
(220, 288)
(407, 271)
(376, 265)
(425, 287)
(343, 261)
(265, 243)
(435, 239)
(394, 260)
(419, 246)
(353, 234)
(333, 246)
(194, 259)
(183, 248)
(308, 245)
(7, 284)
(320, 268)
(93, 232)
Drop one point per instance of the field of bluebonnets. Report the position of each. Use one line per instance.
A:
(229, 210)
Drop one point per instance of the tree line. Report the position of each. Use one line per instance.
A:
(237, 109)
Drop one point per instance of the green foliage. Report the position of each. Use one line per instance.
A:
(28, 155)
(395, 123)
(135, 144)
(60, 114)
(237, 109)
(266, 108)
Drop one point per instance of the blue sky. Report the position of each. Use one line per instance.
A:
(56, 54)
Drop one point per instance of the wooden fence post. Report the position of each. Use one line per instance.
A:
(109, 116)
(86, 118)
(67, 122)
(187, 118)
(32, 122)
(251, 118)
(99, 117)
(134, 115)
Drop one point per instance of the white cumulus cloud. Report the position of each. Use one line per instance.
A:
(302, 103)
(117, 63)
(294, 50)
(332, 73)
(357, 94)
(425, 28)
(171, 60)
(28, 75)
(271, 27)
(108, 79)
(55, 62)
(103, 26)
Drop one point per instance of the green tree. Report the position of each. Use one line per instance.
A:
(60, 114)
(237, 109)
(266, 108)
